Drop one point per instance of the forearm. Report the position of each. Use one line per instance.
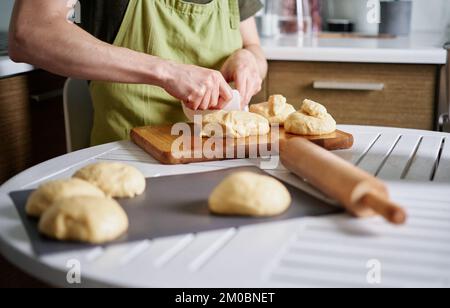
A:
(65, 49)
(252, 44)
(53, 43)
(260, 57)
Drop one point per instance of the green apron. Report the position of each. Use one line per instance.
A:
(185, 32)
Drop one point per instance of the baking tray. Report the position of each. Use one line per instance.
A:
(174, 205)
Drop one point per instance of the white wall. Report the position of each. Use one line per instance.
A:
(431, 15)
(5, 13)
(428, 15)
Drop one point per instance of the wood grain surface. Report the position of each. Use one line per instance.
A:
(158, 141)
(407, 100)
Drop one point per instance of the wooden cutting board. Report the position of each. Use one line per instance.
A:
(158, 141)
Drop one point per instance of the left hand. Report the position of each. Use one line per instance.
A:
(242, 69)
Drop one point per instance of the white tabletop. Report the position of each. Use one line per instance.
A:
(321, 251)
(419, 48)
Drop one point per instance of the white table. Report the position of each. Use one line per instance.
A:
(322, 251)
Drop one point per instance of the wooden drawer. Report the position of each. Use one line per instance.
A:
(31, 121)
(15, 127)
(406, 100)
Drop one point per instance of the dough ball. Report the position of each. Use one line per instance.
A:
(312, 119)
(41, 199)
(276, 110)
(250, 194)
(313, 109)
(277, 103)
(84, 219)
(117, 180)
(234, 124)
(301, 124)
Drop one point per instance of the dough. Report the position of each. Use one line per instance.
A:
(41, 199)
(277, 103)
(115, 179)
(301, 124)
(311, 120)
(235, 124)
(276, 110)
(84, 219)
(313, 109)
(250, 194)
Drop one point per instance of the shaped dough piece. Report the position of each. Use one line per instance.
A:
(276, 110)
(313, 109)
(117, 180)
(235, 124)
(41, 199)
(277, 103)
(301, 124)
(84, 219)
(250, 194)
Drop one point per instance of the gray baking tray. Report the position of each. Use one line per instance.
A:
(174, 205)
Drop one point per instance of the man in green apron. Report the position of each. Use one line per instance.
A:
(145, 57)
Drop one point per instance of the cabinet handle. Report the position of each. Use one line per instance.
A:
(352, 86)
(444, 120)
(46, 96)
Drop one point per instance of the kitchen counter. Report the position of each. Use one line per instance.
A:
(9, 68)
(419, 48)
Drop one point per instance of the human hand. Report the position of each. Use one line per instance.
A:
(197, 87)
(242, 69)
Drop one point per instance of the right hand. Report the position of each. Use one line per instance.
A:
(197, 87)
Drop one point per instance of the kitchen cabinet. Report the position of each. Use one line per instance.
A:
(31, 121)
(395, 95)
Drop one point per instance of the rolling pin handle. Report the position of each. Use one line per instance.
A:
(389, 210)
(358, 191)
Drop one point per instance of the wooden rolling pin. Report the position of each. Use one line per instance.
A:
(360, 193)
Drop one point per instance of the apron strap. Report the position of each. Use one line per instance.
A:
(235, 18)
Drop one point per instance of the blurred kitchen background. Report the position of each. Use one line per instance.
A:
(388, 74)
(426, 16)
(5, 14)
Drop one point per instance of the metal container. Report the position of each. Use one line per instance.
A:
(396, 17)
